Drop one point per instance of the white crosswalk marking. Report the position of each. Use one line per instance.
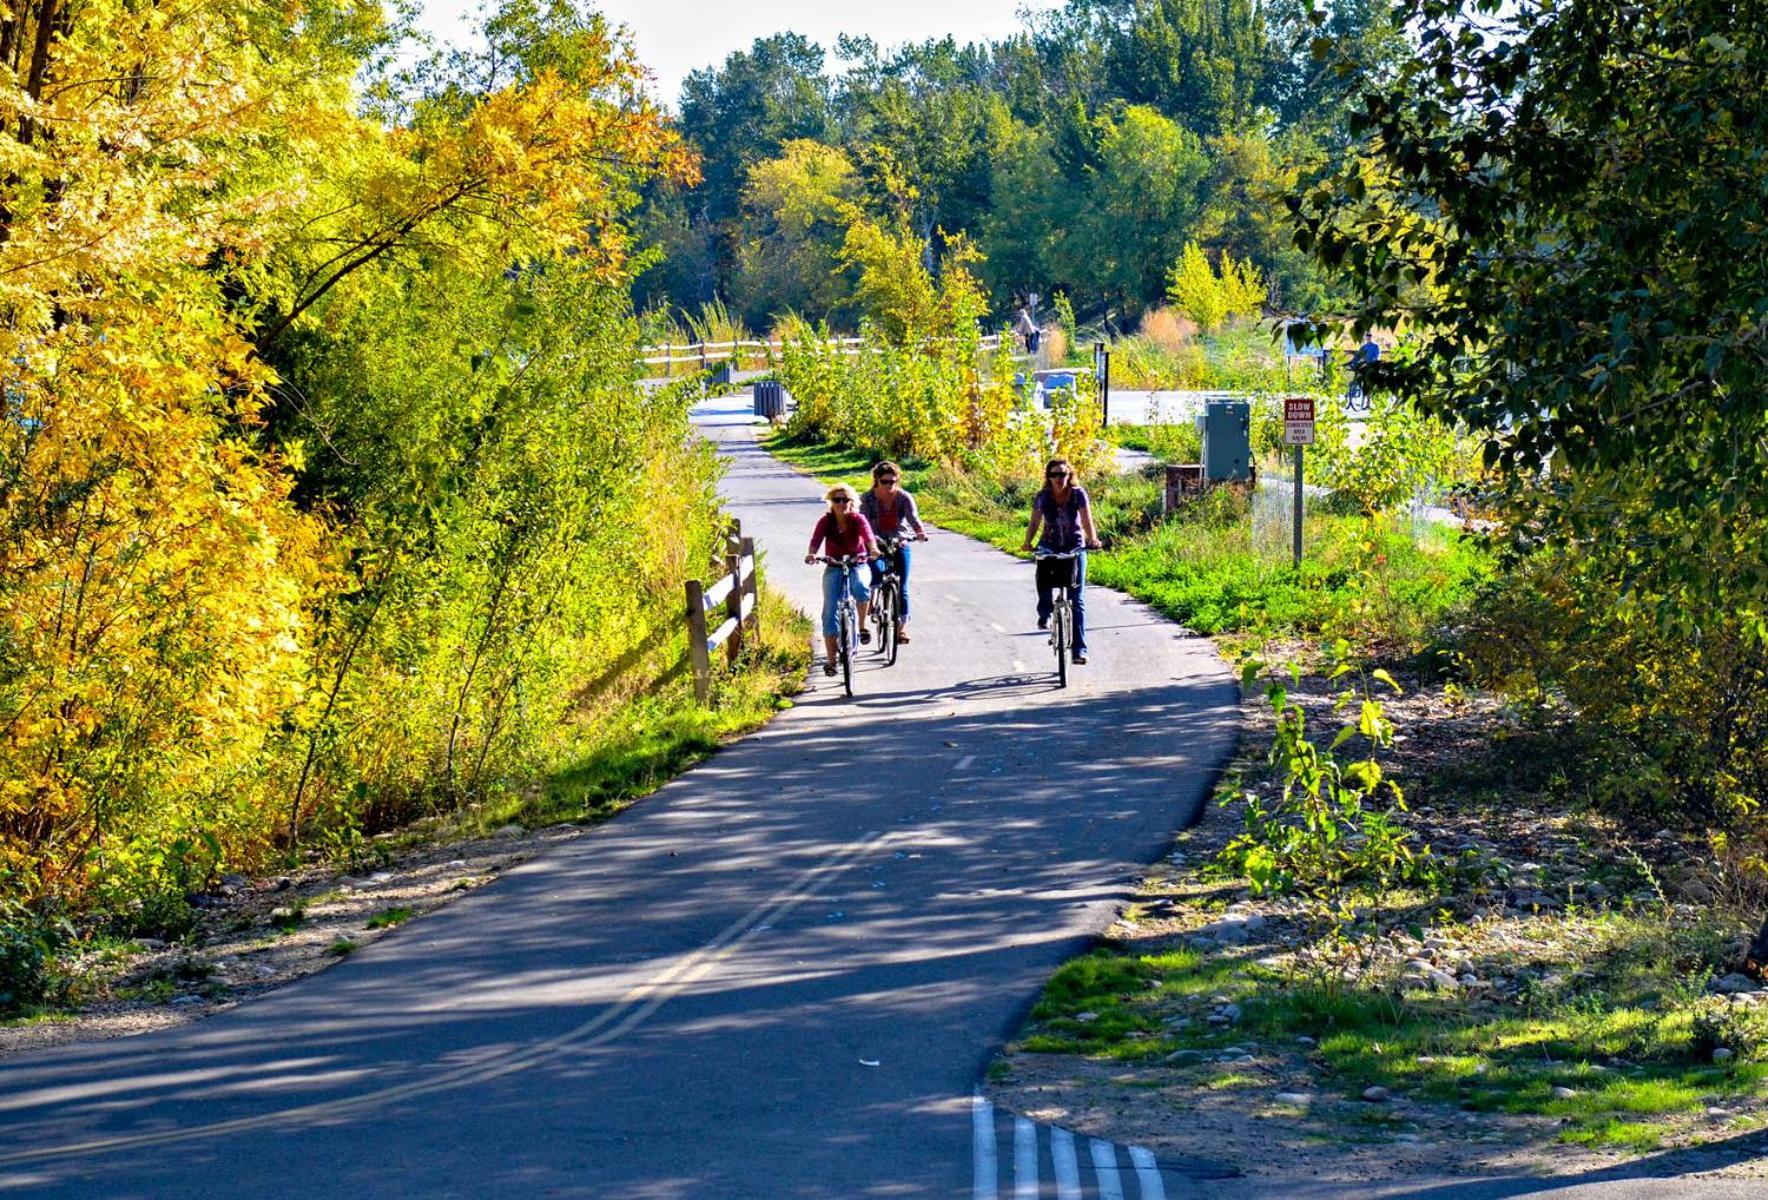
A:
(985, 1174)
(1067, 1168)
(1024, 1159)
(1142, 1180)
(1147, 1174)
(1105, 1165)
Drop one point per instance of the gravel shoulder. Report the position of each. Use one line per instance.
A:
(253, 936)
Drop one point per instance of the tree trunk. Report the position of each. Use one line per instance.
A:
(46, 22)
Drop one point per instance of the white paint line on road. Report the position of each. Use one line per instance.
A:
(965, 762)
(610, 1023)
(1105, 1163)
(1147, 1174)
(1024, 1160)
(1067, 1168)
(997, 627)
(983, 1179)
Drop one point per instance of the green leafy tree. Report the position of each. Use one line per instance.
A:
(1564, 198)
(741, 113)
(1210, 297)
(796, 209)
(1140, 205)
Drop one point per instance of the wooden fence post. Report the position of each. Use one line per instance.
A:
(733, 603)
(698, 656)
(746, 549)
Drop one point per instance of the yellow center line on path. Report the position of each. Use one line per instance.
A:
(632, 1009)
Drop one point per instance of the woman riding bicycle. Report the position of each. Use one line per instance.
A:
(888, 508)
(842, 533)
(1061, 508)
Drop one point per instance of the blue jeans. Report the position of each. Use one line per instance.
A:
(1048, 575)
(832, 577)
(902, 576)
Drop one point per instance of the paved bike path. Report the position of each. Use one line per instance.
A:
(781, 976)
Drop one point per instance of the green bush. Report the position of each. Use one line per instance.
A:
(1718, 1024)
(1333, 824)
(27, 942)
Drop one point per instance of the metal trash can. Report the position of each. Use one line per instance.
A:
(770, 399)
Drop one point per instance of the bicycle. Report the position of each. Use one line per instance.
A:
(846, 617)
(1062, 611)
(887, 600)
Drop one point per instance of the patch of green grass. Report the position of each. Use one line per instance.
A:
(34, 1015)
(289, 917)
(1624, 1043)
(647, 740)
(1234, 1080)
(387, 918)
(341, 947)
(1369, 580)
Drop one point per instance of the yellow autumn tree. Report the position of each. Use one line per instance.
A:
(178, 191)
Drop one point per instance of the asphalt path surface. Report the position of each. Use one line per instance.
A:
(781, 976)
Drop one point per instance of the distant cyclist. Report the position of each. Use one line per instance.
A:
(1062, 510)
(888, 508)
(841, 533)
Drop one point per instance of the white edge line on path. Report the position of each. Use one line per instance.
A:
(965, 762)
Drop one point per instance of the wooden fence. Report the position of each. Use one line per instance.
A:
(736, 597)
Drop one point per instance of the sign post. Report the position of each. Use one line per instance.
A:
(1298, 431)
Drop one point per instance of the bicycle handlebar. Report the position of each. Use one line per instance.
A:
(846, 560)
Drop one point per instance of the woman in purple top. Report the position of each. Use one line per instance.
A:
(888, 508)
(842, 532)
(1061, 508)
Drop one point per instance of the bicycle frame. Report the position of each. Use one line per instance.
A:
(846, 615)
(1062, 612)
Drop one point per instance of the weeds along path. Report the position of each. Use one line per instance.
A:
(780, 976)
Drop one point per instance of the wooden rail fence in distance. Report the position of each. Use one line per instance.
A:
(737, 596)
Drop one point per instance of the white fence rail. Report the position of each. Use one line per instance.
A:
(705, 354)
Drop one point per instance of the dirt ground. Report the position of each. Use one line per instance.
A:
(1267, 1111)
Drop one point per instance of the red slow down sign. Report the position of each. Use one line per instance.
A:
(1298, 421)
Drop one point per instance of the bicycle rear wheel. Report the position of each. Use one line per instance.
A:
(880, 616)
(1059, 639)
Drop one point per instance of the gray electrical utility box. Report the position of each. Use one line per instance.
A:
(1224, 427)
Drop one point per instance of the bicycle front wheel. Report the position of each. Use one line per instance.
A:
(1060, 641)
(845, 645)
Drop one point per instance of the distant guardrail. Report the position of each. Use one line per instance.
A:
(705, 354)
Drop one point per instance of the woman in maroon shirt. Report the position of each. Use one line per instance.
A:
(842, 532)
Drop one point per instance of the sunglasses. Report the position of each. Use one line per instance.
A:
(886, 479)
(1058, 475)
(841, 500)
